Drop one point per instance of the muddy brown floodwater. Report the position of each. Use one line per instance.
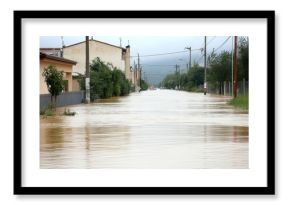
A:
(151, 129)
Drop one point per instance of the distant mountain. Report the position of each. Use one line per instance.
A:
(156, 68)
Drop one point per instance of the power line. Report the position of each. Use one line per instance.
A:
(156, 65)
(160, 65)
(222, 44)
(151, 74)
(170, 53)
(202, 45)
(161, 54)
(220, 47)
(211, 40)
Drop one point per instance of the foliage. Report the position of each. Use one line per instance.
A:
(195, 77)
(243, 59)
(189, 81)
(220, 65)
(101, 84)
(82, 83)
(49, 110)
(54, 81)
(240, 102)
(144, 85)
(105, 83)
(170, 81)
(220, 69)
(121, 85)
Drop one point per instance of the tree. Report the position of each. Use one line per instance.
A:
(220, 69)
(170, 81)
(189, 81)
(144, 85)
(54, 81)
(121, 86)
(101, 80)
(195, 77)
(105, 82)
(243, 59)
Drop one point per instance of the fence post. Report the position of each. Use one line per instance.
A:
(224, 84)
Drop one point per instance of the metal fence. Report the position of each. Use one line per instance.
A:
(227, 89)
(64, 99)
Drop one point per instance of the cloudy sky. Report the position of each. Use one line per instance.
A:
(155, 67)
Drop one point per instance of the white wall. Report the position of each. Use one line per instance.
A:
(282, 100)
(107, 53)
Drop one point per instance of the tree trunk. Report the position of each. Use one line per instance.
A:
(55, 97)
(51, 99)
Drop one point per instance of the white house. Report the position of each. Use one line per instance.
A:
(115, 56)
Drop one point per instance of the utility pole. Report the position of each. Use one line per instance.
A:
(235, 67)
(178, 77)
(139, 69)
(87, 81)
(176, 66)
(232, 65)
(189, 48)
(205, 85)
(140, 77)
(134, 74)
(177, 73)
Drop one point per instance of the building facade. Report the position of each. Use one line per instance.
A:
(114, 56)
(62, 64)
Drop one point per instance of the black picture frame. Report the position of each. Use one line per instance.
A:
(19, 189)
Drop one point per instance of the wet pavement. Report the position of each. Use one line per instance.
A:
(151, 129)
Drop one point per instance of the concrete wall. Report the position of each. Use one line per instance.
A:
(64, 99)
(65, 67)
(75, 85)
(114, 55)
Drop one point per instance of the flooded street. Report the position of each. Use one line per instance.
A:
(151, 129)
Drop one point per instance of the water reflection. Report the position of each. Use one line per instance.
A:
(151, 129)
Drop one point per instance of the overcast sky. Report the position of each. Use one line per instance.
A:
(150, 45)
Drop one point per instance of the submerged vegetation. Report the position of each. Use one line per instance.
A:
(47, 112)
(50, 110)
(240, 102)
